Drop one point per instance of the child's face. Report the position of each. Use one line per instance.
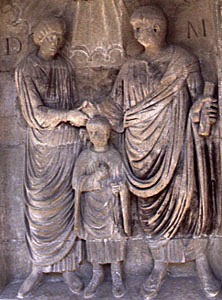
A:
(98, 135)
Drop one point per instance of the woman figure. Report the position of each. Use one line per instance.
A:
(48, 98)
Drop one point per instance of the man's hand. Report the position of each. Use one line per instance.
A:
(211, 107)
(77, 118)
(205, 111)
(89, 109)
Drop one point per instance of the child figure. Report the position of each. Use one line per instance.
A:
(101, 206)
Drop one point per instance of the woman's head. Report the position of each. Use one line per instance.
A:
(49, 36)
(47, 26)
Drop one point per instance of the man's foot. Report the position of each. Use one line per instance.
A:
(73, 281)
(208, 282)
(30, 283)
(153, 284)
(97, 278)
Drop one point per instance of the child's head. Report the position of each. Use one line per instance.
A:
(99, 130)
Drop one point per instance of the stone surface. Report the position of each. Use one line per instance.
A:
(194, 24)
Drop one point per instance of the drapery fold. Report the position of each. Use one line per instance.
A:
(166, 159)
(45, 89)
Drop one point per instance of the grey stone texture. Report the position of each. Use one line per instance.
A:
(193, 24)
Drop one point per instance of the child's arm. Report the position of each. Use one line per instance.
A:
(90, 182)
(120, 188)
(125, 204)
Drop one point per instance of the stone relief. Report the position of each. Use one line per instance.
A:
(162, 112)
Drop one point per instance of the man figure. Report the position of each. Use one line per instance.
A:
(152, 104)
(102, 206)
(48, 98)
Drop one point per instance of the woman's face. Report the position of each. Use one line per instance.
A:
(148, 32)
(51, 44)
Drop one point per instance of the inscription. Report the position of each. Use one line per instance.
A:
(10, 46)
(196, 31)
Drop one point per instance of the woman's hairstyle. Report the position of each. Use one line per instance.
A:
(46, 26)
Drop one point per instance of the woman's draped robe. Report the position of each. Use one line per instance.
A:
(46, 88)
(165, 157)
(102, 218)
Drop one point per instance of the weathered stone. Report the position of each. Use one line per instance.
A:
(16, 259)
(99, 40)
(9, 136)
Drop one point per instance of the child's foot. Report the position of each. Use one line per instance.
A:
(97, 278)
(118, 288)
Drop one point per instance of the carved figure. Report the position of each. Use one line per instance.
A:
(102, 217)
(164, 148)
(48, 98)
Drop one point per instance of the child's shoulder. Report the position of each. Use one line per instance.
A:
(115, 155)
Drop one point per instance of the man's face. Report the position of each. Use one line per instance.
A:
(98, 135)
(51, 44)
(148, 32)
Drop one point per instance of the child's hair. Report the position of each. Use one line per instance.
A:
(99, 120)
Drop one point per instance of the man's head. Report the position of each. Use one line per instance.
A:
(49, 35)
(99, 130)
(149, 24)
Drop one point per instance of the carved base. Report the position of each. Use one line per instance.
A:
(172, 289)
